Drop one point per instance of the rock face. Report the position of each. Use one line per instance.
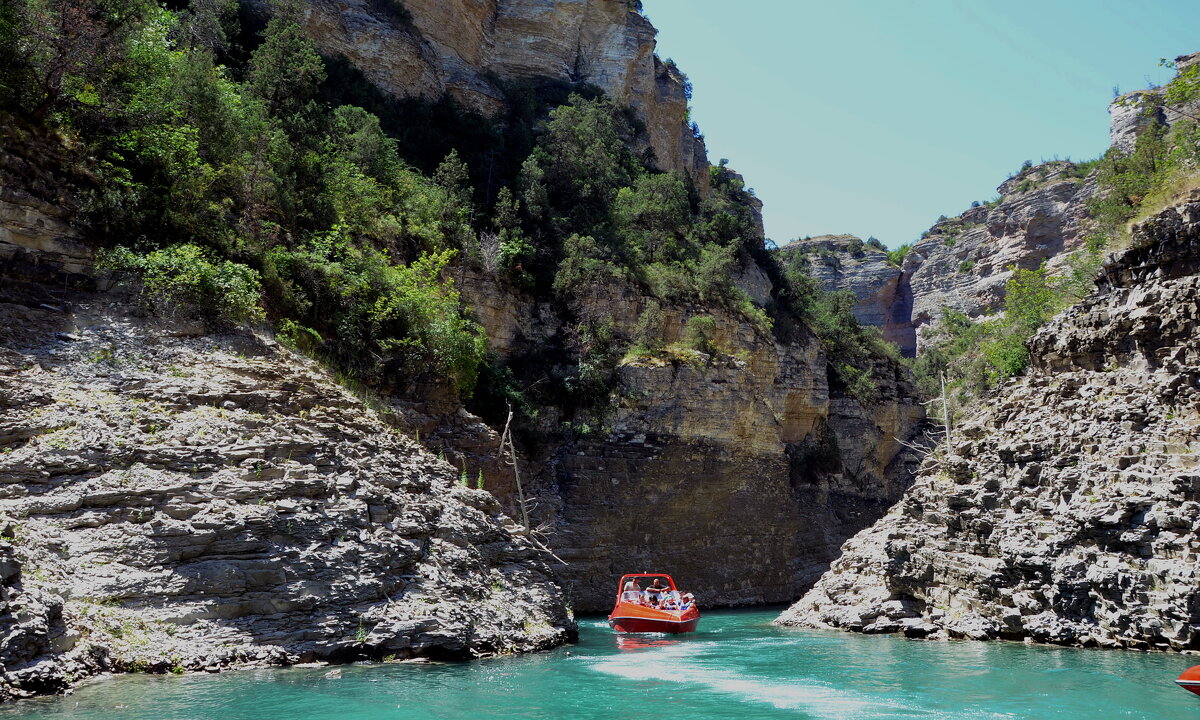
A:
(744, 458)
(37, 239)
(1069, 510)
(965, 262)
(844, 262)
(462, 47)
(170, 499)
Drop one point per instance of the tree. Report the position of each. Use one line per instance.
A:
(586, 159)
(66, 50)
(653, 213)
(286, 69)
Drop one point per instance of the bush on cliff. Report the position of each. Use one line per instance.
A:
(186, 279)
(212, 177)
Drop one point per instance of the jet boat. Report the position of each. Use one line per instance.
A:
(634, 613)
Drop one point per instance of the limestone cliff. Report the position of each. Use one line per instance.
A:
(176, 500)
(964, 262)
(1068, 509)
(466, 48)
(844, 262)
(747, 457)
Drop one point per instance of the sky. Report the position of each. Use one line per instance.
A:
(874, 117)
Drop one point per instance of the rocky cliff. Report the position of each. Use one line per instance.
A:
(962, 262)
(1068, 510)
(173, 500)
(844, 262)
(469, 48)
(745, 457)
(965, 262)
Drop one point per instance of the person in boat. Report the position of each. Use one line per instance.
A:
(632, 591)
(656, 592)
(670, 601)
(689, 601)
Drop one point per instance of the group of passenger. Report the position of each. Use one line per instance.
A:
(657, 596)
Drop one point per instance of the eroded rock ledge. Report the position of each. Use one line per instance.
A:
(175, 500)
(1069, 510)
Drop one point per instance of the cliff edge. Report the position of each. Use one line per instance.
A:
(1067, 510)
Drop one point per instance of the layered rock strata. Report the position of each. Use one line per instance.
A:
(38, 240)
(965, 262)
(740, 471)
(175, 500)
(1067, 511)
(468, 47)
(844, 262)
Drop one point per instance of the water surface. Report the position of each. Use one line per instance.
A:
(737, 666)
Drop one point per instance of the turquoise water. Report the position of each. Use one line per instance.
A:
(738, 665)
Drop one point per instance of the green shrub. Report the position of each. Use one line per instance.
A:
(585, 263)
(896, 257)
(700, 334)
(378, 316)
(648, 333)
(186, 279)
(966, 266)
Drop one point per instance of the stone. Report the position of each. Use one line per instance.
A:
(1078, 546)
(460, 47)
(268, 543)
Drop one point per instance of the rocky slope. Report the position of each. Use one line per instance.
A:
(844, 262)
(962, 262)
(468, 48)
(176, 500)
(1067, 511)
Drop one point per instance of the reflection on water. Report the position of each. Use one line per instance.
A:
(641, 641)
(736, 665)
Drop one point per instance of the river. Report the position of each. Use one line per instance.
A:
(737, 666)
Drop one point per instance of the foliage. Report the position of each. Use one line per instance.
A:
(973, 355)
(896, 257)
(700, 334)
(378, 316)
(186, 279)
(850, 347)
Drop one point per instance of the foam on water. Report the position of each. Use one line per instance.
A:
(691, 663)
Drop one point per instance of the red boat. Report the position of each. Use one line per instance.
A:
(1190, 679)
(633, 614)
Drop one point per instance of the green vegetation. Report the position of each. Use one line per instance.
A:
(1163, 164)
(231, 190)
(973, 355)
(896, 257)
(850, 347)
(242, 177)
(185, 278)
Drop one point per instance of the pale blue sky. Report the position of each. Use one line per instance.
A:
(875, 116)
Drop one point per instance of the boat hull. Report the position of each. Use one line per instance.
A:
(1190, 680)
(634, 618)
(648, 625)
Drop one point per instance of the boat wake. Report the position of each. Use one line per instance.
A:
(686, 664)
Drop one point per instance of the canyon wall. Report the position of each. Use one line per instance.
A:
(844, 262)
(739, 471)
(171, 499)
(469, 48)
(1067, 510)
